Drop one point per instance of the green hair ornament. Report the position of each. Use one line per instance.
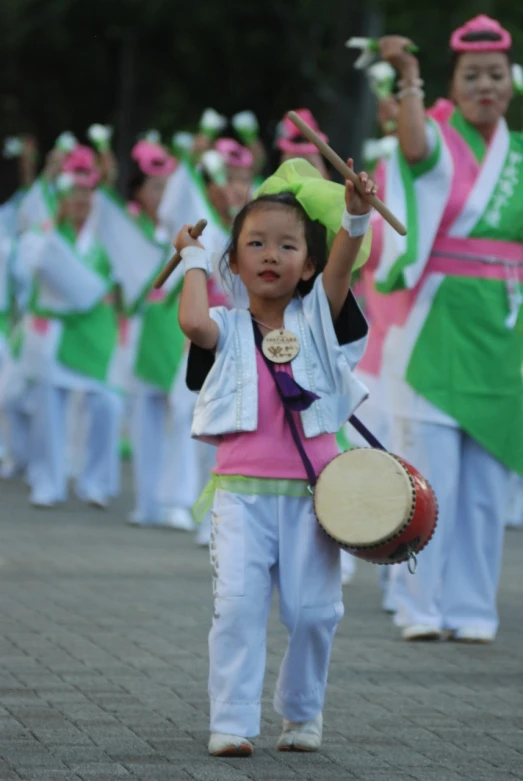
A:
(321, 200)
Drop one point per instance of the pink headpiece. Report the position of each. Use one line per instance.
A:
(234, 154)
(152, 159)
(81, 163)
(481, 24)
(292, 140)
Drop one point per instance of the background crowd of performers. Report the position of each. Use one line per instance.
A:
(93, 362)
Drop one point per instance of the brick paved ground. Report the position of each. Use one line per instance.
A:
(103, 668)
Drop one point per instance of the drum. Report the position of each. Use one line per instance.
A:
(375, 505)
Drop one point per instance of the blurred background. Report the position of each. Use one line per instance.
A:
(139, 64)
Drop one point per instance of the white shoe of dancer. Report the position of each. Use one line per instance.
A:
(472, 634)
(229, 746)
(421, 632)
(179, 518)
(301, 735)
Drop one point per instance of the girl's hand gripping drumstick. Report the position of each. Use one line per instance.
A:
(162, 277)
(346, 172)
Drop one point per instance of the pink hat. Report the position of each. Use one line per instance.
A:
(292, 140)
(152, 159)
(81, 163)
(234, 154)
(481, 24)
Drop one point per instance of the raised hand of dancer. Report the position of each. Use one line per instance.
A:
(356, 203)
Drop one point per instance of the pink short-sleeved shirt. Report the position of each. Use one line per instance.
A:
(270, 450)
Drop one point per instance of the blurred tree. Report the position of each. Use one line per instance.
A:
(133, 64)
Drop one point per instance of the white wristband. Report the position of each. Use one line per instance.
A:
(196, 257)
(355, 224)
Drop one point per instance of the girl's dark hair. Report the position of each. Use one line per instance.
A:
(134, 181)
(315, 235)
(486, 36)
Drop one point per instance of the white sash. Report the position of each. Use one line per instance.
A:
(184, 203)
(485, 184)
(67, 284)
(34, 209)
(427, 199)
(134, 257)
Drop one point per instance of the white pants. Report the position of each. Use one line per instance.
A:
(259, 542)
(515, 503)
(165, 458)
(207, 456)
(16, 414)
(49, 471)
(456, 581)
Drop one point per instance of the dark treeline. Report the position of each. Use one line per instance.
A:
(139, 64)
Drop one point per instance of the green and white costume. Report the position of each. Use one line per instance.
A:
(453, 358)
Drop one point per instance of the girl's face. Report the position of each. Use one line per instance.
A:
(272, 256)
(482, 87)
(150, 194)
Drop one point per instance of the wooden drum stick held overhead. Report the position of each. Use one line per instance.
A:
(166, 272)
(345, 171)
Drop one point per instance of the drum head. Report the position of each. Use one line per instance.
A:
(364, 497)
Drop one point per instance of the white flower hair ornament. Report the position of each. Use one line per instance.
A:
(100, 136)
(213, 164)
(212, 123)
(66, 142)
(182, 142)
(13, 147)
(64, 184)
(369, 50)
(246, 125)
(152, 136)
(517, 78)
(381, 78)
(378, 148)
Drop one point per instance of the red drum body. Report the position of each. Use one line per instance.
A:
(375, 505)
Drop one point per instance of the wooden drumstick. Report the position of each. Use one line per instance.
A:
(345, 171)
(166, 272)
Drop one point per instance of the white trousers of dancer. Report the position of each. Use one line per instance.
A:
(49, 472)
(259, 542)
(515, 504)
(457, 577)
(207, 456)
(165, 457)
(16, 418)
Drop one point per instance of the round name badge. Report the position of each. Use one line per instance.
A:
(280, 346)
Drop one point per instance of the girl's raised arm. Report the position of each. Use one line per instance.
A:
(345, 247)
(193, 314)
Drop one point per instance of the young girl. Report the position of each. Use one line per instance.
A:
(264, 531)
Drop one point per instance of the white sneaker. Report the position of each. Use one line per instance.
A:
(41, 505)
(97, 502)
(229, 746)
(472, 634)
(179, 518)
(421, 632)
(301, 735)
